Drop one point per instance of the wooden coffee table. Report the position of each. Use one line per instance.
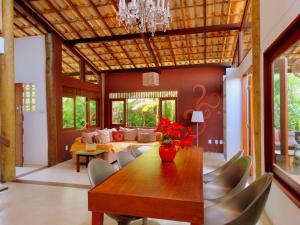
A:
(87, 156)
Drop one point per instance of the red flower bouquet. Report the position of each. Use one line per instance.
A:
(174, 134)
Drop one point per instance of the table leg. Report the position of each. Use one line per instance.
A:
(97, 218)
(87, 160)
(77, 163)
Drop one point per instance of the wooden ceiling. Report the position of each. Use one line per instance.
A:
(201, 32)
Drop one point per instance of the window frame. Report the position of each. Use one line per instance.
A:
(279, 46)
(87, 112)
(125, 110)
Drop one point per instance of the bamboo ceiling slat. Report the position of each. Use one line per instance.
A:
(75, 19)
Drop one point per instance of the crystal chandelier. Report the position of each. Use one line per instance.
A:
(145, 15)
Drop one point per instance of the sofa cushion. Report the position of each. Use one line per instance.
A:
(103, 136)
(87, 137)
(118, 136)
(110, 133)
(145, 131)
(147, 137)
(130, 134)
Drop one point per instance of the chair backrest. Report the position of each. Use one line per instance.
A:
(136, 152)
(124, 158)
(99, 170)
(231, 161)
(233, 178)
(251, 201)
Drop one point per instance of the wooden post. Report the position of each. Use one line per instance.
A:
(256, 56)
(284, 130)
(53, 79)
(102, 107)
(7, 93)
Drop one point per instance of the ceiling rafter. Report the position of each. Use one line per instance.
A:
(20, 5)
(74, 29)
(194, 30)
(103, 20)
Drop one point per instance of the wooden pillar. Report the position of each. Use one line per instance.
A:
(53, 91)
(284, 129)
(102, 115)
(257, 94)
(7, 92)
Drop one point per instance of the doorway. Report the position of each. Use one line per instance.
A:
(19, 124)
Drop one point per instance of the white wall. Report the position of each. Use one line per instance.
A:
(276, 15)
(30, 67)
(232, 114)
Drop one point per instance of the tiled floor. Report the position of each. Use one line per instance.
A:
(33, 204)
(24, 204)
(21, 171)
(65, 173)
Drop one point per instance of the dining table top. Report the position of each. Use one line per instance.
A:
(148, 187)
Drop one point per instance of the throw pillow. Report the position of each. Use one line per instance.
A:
(130, 135)
(103, 136)
(87, 137)
(110, 133)
(147, 137)
(118, 136)
(145, 131)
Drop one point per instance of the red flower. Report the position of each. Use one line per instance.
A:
(175, 133)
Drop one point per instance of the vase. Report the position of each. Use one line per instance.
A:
(167, 153)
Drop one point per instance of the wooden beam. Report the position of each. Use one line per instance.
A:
(284, 102)
(153, 69)
(195, 30)
(21, 6)
(257, 113)
(240, 47)
(7, 95)
(205, 15)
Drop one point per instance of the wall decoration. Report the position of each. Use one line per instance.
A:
(201, 104)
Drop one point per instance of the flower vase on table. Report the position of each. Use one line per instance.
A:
(174, 135)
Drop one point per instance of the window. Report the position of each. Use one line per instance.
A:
(282, 111)
(29, 98)
(142, 109)
(80, 109)
(91, 76)
(142, 112)
(92, 112)
(70, 64)
(68, 112)
(118, 112)
(168, 109)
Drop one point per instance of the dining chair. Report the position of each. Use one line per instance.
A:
(208, 177)
(98, 171)
(135, 152)
(244, 208)
(124, 158)
(231, 181)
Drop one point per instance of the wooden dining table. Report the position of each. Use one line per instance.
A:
(148, 187)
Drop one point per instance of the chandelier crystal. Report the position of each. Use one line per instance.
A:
(144, 15)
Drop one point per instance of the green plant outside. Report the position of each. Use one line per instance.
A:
(68, 112)
(80, 112)
(93, 112)
(293, 102)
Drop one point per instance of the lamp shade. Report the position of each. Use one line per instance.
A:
(197, 117)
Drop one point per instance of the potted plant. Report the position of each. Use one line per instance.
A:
(174, 136)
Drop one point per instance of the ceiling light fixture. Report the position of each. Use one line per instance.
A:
(145, 15)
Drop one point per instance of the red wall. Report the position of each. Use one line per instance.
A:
(198, 89)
